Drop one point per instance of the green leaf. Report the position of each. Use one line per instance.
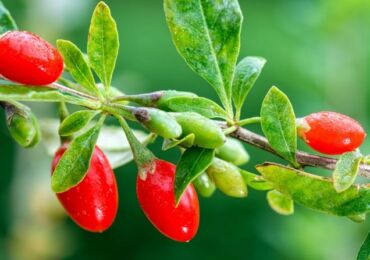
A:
(187, 141)
(42, 94)
(207, 36)
(200, 105)
(280, 203)
(112, 141)
(255, 181)
(77, 66)
(278, 124)
(346, 170)
(76, 122)
(103, 44)
(6, 20)
(193, 162)
(316, 192)
(75, 162)
(364, 253)
(357, 218)
(246, 73)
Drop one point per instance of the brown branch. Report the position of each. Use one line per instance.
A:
(305, 159)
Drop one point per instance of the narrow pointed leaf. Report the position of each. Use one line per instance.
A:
(76, 122)
(246, 73)
(346, 170)
(207, 36)
(278, 124)
(200, 105)
(193, 162)
(364, 253)
(6, 20)
(255, 181)
(103, 43)
(75, 162)
(316, 192)
(44, 94)
(280, 203)
(186, 141)
(77, 66)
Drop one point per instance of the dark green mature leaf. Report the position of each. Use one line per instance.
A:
(278, 124)
(193, 162)
(255, 181)
(6, 20)
(186, 141)
(103, 43)
(364, 253)
(77, 66)
(75, 162)
(207, 35)
(200, 105)
(246, 73)
(280, 203)
(316, 192)
(346, 170)
(76, 122)
(41, 94)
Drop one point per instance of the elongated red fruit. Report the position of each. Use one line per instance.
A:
(26, 58)
(331, 133)
(93, 203)
(157, 199)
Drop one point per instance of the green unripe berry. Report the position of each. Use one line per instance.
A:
(158, 122)
(204, 185)
(207, 133)
(22, 124)
(233, 151)
(227, 178)
(162, 102)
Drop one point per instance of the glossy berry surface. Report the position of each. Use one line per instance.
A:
(331, 133)
(26, 58)
(157, 199)
(93, 203)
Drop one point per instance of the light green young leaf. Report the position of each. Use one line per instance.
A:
(280, 203)
(246, 73)
(193, 162)
(278, 124)
(316, 192)
(357, 218)
(6, 20)
(255, 181)
(103, 44)
(76, 122)
(346, 170)
(207, 36)
(44, 94)
(77, 66)
(200, 105)
(75, 162)
(364, 253)
(186, 141)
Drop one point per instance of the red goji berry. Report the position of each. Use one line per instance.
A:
(26, 58)
(93, 203)
(331, 133)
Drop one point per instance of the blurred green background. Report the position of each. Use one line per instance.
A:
(318, 53)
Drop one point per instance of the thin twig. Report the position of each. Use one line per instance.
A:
(63, 88)
(305, 159)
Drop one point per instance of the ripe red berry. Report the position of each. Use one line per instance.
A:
(93, 203)
(26, 58)
(157, 199)
(331, 133)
